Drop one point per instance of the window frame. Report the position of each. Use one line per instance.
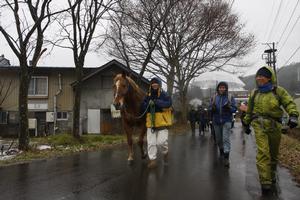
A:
(47, 86)
(6, 117)
(62, 114)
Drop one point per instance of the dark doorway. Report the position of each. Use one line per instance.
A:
(42, 128)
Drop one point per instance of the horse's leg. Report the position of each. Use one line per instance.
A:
(128, 131)
(141, 141)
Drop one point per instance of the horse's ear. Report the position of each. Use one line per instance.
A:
(124, 74)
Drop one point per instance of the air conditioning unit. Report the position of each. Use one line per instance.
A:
(49, 116)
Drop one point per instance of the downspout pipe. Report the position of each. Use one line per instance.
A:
(55, 103)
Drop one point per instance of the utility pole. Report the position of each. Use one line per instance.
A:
(270, 57)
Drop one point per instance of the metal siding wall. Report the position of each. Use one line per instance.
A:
(65, 98)
(11, 102)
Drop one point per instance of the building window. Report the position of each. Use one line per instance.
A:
(38, 86)
(3, 117)
(62, 115)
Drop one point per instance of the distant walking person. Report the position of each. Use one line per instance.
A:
(158, 119)
(222, 106)
(201, 119)
(264, 113)
(192, 117)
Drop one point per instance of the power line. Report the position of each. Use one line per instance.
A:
(285, 28)
(269, 18)
(292, 56)
(275, 19)
(231, 3)
(289, 33)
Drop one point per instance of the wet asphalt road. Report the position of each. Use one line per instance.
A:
(195, 171)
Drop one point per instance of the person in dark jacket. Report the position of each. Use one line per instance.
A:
(192, 117)
(211, 126)
(159, 117)
(222, 106)
(201, 119)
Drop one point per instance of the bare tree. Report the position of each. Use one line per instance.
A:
(78, 27)
(200, 36)
(136, 27)
(26, 39)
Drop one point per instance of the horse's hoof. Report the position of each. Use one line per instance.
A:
(130, 162)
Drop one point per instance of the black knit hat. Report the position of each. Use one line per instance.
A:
(155, 80)
(264, 72)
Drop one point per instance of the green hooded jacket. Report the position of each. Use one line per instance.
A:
(268, 104)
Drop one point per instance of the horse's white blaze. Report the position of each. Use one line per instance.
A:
(117, 88)
(120, 99)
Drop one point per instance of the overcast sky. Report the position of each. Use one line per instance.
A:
(266, 19)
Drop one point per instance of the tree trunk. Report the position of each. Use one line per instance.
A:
(23, 108)
(183, 106)
(170, 81)
(77, 100)
(76, 111)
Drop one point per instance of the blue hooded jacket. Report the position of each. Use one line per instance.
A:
(221, 107)
(160, 97)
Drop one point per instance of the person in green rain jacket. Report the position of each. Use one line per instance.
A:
(264, 113)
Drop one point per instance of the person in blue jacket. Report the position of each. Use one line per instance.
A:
(159, 117)
(222, 106)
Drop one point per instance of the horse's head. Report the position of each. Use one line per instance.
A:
(121, 87)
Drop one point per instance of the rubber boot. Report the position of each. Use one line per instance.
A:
(266, 189)
(226, 159)
(221, 152)
(166, 158)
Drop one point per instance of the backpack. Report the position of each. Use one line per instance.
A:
(251, 101)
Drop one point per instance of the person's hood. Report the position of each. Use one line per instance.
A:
(222, 83)
(157, 92)
(273, 77)
(156, 80)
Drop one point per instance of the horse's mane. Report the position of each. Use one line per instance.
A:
(140, 92)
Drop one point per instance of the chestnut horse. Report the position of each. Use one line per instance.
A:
(128, 97)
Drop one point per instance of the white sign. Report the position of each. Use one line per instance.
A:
(38, 106)
(32, 123)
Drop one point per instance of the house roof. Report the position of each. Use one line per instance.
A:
(47, 69)
(108, 65)
(88, 72)
(4, 61)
